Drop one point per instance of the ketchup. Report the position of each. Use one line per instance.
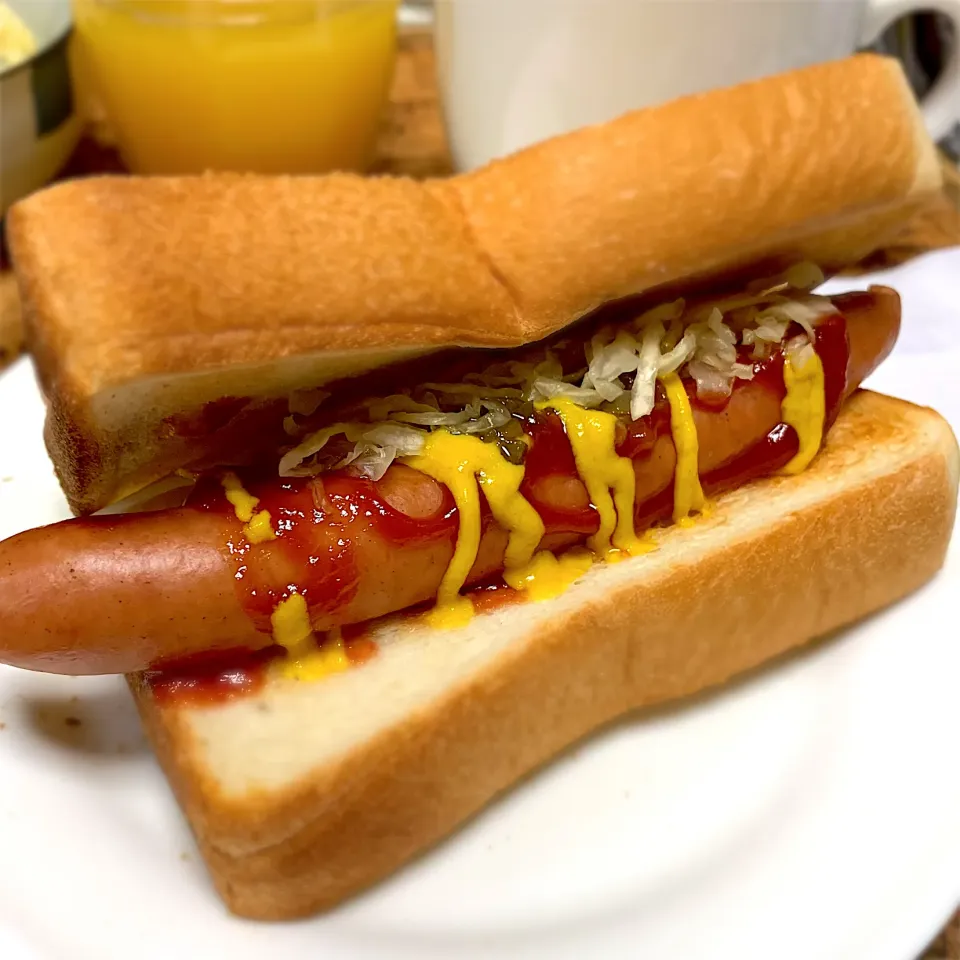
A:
(833, 347)
(493, 596)
(314, 518)
(550, 455)
(204, 680)
(781, 444)
(640, 436)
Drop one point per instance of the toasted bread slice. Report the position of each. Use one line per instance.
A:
(169, 316)
(304, 793)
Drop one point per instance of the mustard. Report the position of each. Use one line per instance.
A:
(259, 529)
(257, 526)
(461, 462)
(687, 492)
(592, 436)
(290, 622)
(243, 503)
(292, 630)
(804, 406)
(547, 576)
(307, 661)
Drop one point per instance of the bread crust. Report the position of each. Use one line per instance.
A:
(702, 187)
(148, 297)
(779, 562)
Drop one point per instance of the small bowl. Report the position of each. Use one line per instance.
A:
(39, 127)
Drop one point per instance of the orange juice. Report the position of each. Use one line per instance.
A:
(276, 86)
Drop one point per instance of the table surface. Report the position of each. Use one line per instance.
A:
(413, 143)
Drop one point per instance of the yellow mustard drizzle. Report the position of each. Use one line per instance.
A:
(687, 492)
(307, 661)
(257, 527)
(243, 503)
(804, 407)
(290, 622)
(592, 436)
(547, 576)
(465, 463)
(460, 462)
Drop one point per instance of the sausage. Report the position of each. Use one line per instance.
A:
(110, 595)
(119, 594)
(873, 325)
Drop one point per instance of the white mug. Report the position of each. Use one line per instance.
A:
(513, 72)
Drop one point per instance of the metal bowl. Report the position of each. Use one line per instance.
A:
(38, 124)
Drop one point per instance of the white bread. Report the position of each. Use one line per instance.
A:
(306, 793)
(146, 299)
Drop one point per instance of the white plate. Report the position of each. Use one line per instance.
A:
(811, 811)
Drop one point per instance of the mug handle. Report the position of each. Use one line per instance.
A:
(941, 106)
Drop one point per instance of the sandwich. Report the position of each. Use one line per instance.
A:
(388, 491)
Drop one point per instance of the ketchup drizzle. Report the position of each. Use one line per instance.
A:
(314, 519)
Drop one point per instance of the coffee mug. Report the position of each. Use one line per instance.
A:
(513, 72)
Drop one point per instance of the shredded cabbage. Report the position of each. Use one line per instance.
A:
(675, 358)
(474, 390)
(703, 341)
(435, 418)
(386, 407)
(497, 415)
(544, 388)
(374, 448)
(714, 364)
(644, 391)
(609, 362)
(665, 313)
(799, 276)
(805, 311)
(407, 441)
(800, 350)
(770, 328)
(515, 373)
(468, 420)
(292, 463)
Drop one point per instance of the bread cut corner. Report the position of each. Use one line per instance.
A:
(304, 794)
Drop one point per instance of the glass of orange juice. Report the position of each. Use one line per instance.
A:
(273, 86)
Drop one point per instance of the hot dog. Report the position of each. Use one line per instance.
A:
(523, 411)
(118, 594)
